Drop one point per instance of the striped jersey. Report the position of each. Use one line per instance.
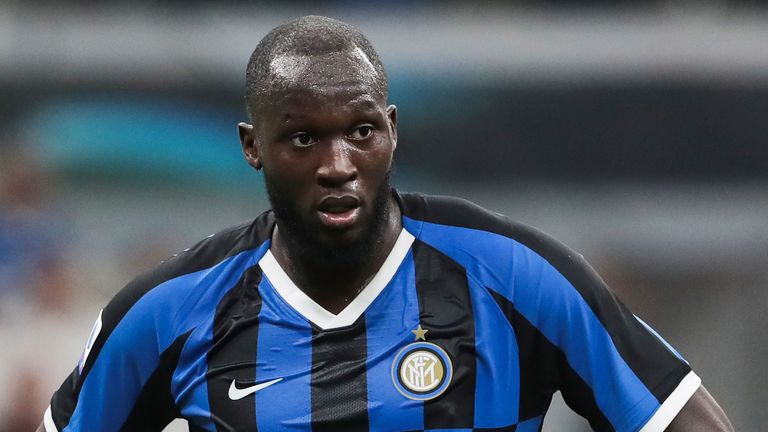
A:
(471, 324)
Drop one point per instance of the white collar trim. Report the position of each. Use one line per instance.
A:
(318, 315)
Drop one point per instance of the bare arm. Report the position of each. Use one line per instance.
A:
(701, 414)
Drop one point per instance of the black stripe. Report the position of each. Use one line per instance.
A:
(451, 211)
(512, 428)
(339, 380)
(203, 255)
(155, 406)
(656, 366)
(233, 354)
(63, 403)
(544, 370)
(195, 428)
(445, 310)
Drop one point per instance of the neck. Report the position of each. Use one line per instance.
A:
(335, 283)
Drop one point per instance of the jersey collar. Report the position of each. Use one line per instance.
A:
(318, 315)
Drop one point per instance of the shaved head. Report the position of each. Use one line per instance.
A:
(311, 49)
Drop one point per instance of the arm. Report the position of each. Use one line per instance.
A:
(701, 414)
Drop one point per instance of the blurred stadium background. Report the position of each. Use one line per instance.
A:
(633, 131)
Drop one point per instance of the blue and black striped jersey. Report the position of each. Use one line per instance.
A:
(471, 324)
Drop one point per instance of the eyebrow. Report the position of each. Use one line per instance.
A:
(365, 104)
(366, 101)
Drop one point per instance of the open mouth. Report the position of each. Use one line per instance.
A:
(339, 212)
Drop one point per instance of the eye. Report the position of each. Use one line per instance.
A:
(302, 139)
(361, 132)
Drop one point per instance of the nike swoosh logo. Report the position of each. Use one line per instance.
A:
(237, 394)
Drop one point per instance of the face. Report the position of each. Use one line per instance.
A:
(325, 141)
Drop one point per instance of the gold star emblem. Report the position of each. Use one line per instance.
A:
(420, 333)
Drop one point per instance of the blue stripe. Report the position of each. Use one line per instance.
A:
(284, 351)
(549, 301)
(189, 386)
(389, 322)
(498, 368)
(530, 425)
(131, 353)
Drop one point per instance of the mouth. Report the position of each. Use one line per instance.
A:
(339, 212)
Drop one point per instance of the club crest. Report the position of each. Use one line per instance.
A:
(421, 370)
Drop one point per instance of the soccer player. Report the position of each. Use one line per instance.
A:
(350, 306)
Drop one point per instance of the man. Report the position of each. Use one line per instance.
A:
(350, 306)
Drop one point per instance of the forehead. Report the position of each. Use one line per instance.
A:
(323, 78)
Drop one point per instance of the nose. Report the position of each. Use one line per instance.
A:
(336, 165)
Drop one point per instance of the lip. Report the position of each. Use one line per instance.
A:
(339, 212)
(343, 202)
(340, 220)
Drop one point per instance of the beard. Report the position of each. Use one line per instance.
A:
(304, 245)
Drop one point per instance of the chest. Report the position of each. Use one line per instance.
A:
(423, 355)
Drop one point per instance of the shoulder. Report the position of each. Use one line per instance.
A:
(143, 328)
(499, 252)
(451, 211)
(471, 222)
(207, 253)
(156, 304)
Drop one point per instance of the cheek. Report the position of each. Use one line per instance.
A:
(380, 157)
(287, 172)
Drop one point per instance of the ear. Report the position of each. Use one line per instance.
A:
(392, 120)
(250, 147)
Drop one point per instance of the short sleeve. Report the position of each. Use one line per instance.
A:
(128, 377)
(610, 367)
(122, 380)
